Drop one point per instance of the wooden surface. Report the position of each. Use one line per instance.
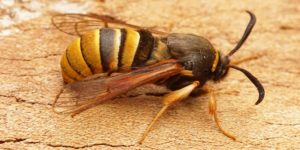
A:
(30, 78)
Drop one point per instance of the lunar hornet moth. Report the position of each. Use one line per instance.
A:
(106, 45)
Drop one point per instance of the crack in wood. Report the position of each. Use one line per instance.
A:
(31, 75)
(16, 140)
(283, 124)
(12, 140)
(20, 100)
(30, 59)
(77, 147)
(87, 146)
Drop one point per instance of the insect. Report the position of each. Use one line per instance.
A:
(183, 62)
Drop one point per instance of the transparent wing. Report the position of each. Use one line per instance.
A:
(78, 93)
(77, 24)
(82, 95)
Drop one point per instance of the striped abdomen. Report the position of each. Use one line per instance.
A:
(110, 50)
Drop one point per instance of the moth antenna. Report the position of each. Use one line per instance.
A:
(254, 80)
(246, 33)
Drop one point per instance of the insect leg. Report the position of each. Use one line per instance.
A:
(187, 73)
(105, 24)
(169, 100)
(213, 111)
(56, 99)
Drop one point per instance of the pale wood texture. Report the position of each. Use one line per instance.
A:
(30, 78)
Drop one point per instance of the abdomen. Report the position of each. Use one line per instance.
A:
(110, 50)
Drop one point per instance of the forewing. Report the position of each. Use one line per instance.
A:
(77, 24)
(82, 95)
(76, 94)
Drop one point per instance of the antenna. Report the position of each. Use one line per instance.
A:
(254, 80)
(246, 33)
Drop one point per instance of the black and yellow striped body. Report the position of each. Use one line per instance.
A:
(110, 50)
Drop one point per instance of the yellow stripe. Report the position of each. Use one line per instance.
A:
(214, 66)
(130, 47)
(159, 53)
(91, 51)
(113, 65)
(66, 78)
(68, 70)
(76, 60)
